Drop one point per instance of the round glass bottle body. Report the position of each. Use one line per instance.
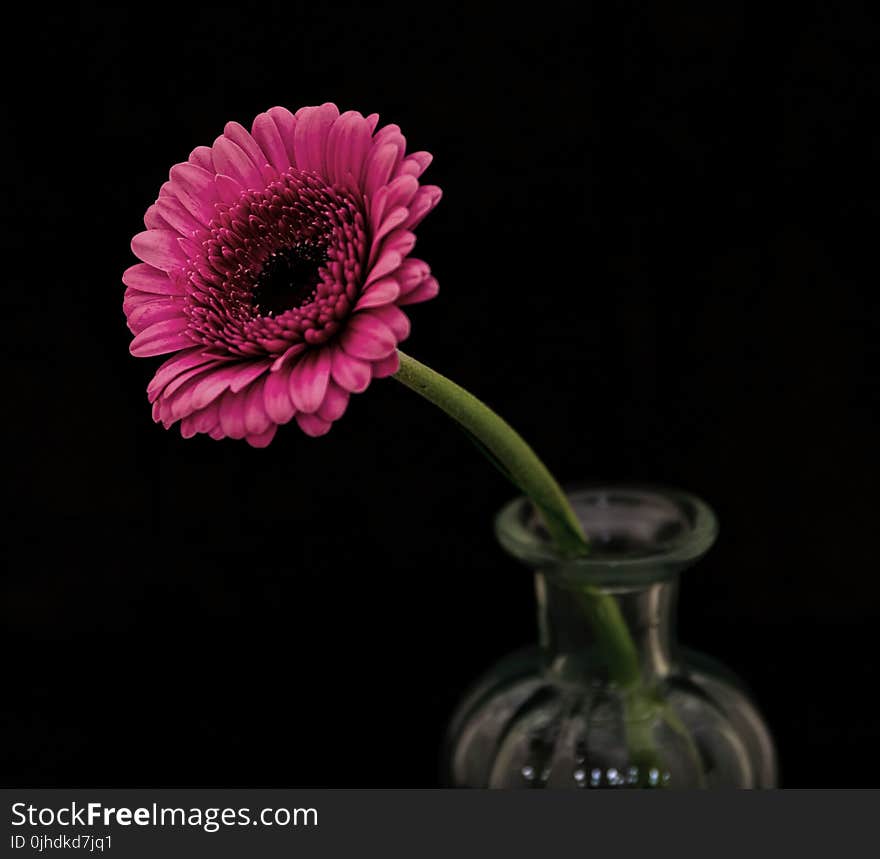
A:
(554, 716)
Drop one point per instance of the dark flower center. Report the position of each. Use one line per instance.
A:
(280, 267)
(289, 278)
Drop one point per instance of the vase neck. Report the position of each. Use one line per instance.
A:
(572, 651)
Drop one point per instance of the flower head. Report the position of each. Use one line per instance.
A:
(275, 264)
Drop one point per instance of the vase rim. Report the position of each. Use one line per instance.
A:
(638, 533)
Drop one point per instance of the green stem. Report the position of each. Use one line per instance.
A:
(522, 465)
(612, 633)
(506, 445)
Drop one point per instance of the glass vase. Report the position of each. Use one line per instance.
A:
(555, 717)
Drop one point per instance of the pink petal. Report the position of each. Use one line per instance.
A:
(228, 189)
(410, 274)
(313, 425)
(348, 143)
(400, 242)
(262, 439)
(379, 293)
(240, 136)
(207, 419)
(392, 219)
(232, 415)
(174, 366)
(146, 278)
(378, 166)
(415, 164)
(149, 312)
(178, 405)
(162, 412)
(401, 191)
(153, 219)
(386, 366)
(390, 134)
(194, 187)
(231, 160)
(256, 418)
(201, 156)
(189, 247)
(367, 337)
(426, 290)
(310, 137)
(335, 403)
(266, 133)
(134, 298)
(426, 198)
(308, 380)
(397, 193)
(292, 352)
(351, 374)
(394, 318)
(247, 373)
(159, 248)
(179, 393)
(192, 178)
(286, 123)
(388, 262)
(175, 401)
(214, 384)
(188, 426)
(178, 216)
(276, 396)
(166, 336)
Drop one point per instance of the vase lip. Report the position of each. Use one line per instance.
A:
(638, 533)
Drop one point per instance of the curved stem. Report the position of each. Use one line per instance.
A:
(613, 635)
(507, 447)
(523, 467)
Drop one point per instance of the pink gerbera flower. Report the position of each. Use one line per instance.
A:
(275, 264)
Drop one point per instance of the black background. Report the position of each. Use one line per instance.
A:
(656, 253)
